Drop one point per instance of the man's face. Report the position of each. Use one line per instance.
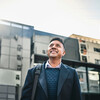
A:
(55, 49)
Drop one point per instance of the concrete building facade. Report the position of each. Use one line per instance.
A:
(15, 50)
(89, 49)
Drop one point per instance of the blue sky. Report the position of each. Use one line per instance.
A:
(63, 17)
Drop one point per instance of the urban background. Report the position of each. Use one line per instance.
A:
(22, 47)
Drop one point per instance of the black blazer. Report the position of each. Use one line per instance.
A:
(68, 85)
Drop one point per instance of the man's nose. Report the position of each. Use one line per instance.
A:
(54, 46)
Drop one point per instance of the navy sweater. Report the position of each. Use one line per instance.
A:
(52, 75)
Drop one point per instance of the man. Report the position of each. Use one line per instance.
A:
(57, 81)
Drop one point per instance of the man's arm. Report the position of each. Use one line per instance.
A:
(76, 91)
(27, 88)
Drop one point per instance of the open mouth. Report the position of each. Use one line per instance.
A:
(53, 51)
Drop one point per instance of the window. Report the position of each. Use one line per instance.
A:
(16, 25)
(93, 75)
(17, 77)
(83, 49)
(19, 47)
(82, 41)
(97, 49)
(26, 27)
(81, 71)
(84, 58)
(5, 23)
(44, 51)
(80, 75)
(19, 57)
(19, 67)
(97, 61)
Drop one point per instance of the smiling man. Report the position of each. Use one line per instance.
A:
(57, 81)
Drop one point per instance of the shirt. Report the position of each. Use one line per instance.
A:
(47, 65)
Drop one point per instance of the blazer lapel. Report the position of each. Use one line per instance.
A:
(42, 80)
(62, 77)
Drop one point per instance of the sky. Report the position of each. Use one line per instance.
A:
(62, 17)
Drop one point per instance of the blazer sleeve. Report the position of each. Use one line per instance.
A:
(76, 91)
(27, 88)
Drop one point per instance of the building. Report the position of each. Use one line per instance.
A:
(41, 40)
(89, 49)
(23, 47)
(15, 50)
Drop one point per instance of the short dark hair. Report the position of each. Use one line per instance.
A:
(58, 39)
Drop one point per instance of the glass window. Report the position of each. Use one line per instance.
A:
(97, 49)
(84, 58)
(3, 96)
(16, 25)
(4, 23)
(11, 96)
(83, 49)
(94, 77)
(19, 57)
(17, 77)
(19, 47)
(3, 89)
(81, 71)
(16, 31)
(19, 67)
(11, 89)
(97, 61)
(26, 27)
(27, 31)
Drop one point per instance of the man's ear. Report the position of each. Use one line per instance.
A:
(64, 53)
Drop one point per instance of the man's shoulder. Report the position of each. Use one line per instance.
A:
(68, 67)
(35, 67)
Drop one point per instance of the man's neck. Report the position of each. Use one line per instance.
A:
(54, 62)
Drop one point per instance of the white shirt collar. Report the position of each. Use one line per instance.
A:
(47, 65)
